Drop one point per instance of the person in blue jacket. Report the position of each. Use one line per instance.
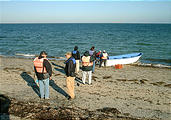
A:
(69, 69)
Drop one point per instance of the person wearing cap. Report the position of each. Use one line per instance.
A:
(103, 58)
(87, 66)
(69, 69)
(76, 55)
(43, 71)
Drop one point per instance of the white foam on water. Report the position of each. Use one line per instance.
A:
(138, 63)
(26, 55)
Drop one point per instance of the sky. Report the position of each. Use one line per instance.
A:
(85, 11)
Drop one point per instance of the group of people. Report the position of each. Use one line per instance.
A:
(89, 59)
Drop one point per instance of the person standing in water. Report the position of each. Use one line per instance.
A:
(92, 53)
(87, 65)
(103, 58)
(43, 72)
(70, 65)
(76, 55)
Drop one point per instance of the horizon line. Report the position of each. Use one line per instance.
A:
(90, 23)
(85, 0)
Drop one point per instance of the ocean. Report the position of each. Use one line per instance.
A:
(27, 40)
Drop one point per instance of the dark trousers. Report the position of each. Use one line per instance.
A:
(102, 61)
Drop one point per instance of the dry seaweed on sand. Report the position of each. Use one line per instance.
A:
(8, 68)
(158, 83)
(108, 110)
(133, 80)
(107, 77)
(57, 74)
(94, 78)
(122, 80)
(168, 85)
(142, 81)
(39, 111)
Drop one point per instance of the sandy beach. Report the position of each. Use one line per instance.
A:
(134, 91)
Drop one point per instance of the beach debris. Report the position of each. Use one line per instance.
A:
(161, 83)
(132, 80)
(158, 83)
(107, 77)
(94, 78)
(142, 81)
(108, 110)
(110, 81)
(43, 111)
(123, 80)
(78, 84)
(57, 74)
(168, 85)
(7, 69)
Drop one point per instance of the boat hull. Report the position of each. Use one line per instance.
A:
(123, 59)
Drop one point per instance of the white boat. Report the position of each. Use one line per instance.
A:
(123, 59)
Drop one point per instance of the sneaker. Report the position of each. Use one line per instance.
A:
(69, 97)
(78, 84)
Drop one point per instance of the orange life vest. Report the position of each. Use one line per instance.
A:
(38, 63)
(86, 61)
(104, 56)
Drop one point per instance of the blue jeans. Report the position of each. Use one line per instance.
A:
(44, 88)
(93, 66)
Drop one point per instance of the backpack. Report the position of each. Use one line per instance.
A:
(74, 52)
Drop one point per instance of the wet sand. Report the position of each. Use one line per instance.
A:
(133, 92)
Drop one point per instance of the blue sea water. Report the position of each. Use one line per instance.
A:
(153, 40)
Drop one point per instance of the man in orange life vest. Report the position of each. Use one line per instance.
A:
(87, 66)
(70, 73)
(103, 58)
(43, 72)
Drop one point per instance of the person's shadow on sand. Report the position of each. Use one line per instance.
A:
(30, 82)
(5, 105)
(79, 80)
(57, 88)
(59, 68)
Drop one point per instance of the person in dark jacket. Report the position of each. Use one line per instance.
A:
(87, 66)
(76, 55)
(92, 52)
(70, 65)
(43, 72)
